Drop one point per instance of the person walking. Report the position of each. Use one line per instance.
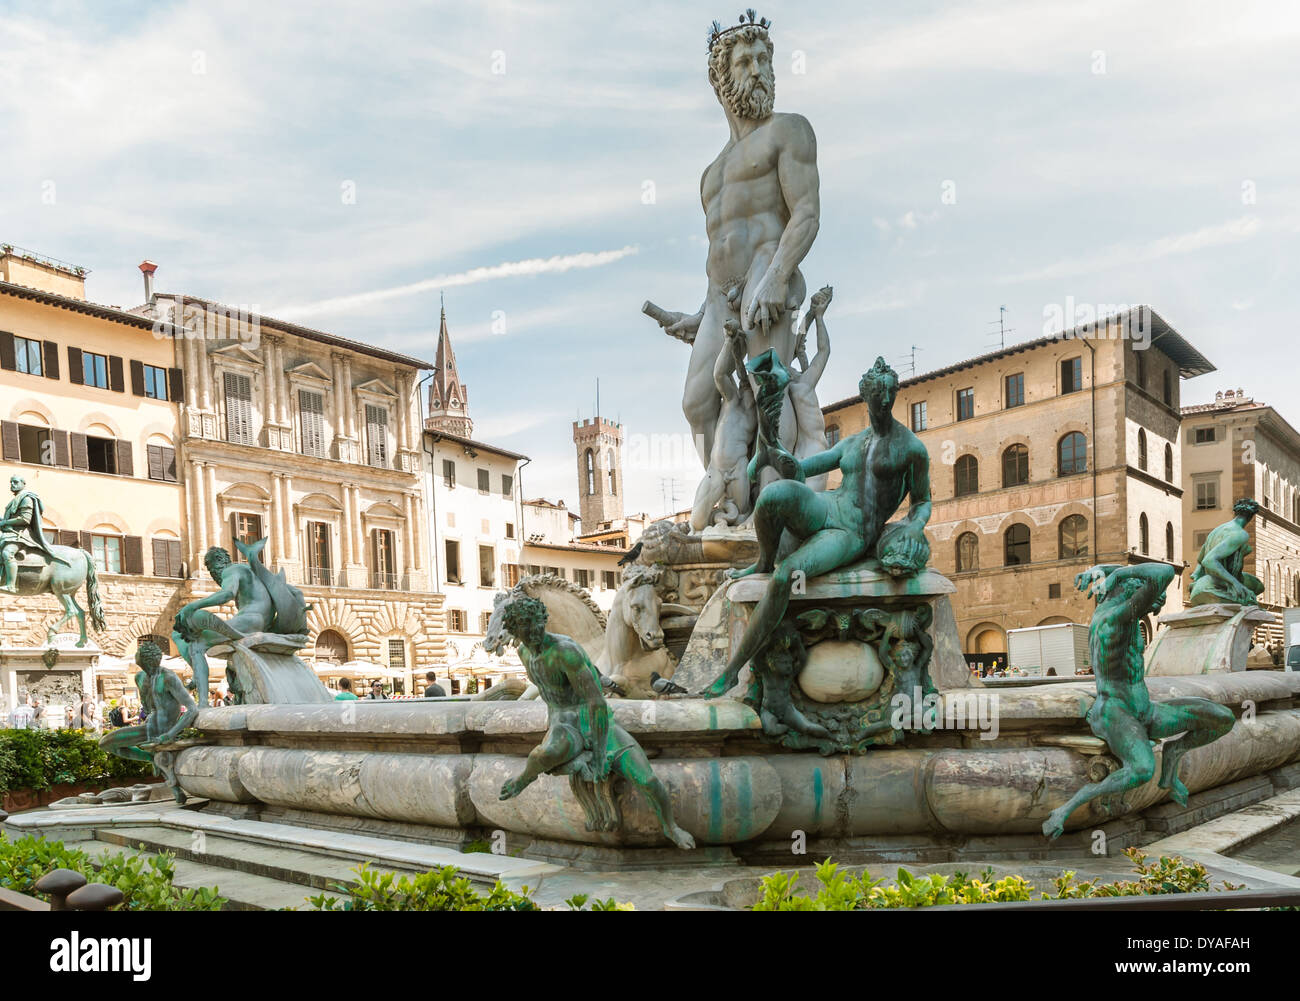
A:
(22, 716)
(346, 693)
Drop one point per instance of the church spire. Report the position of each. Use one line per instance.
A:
(448, 404)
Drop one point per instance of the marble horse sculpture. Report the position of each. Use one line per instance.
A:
(31, 565)
(582, 741)
(1123, 714)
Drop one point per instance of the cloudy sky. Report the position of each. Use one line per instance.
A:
(340, 164)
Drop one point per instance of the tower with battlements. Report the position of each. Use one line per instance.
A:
(599, 444)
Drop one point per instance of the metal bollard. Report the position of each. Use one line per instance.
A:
(94, 897)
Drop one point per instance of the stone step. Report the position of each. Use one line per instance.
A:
(244, 891)
(307, 869)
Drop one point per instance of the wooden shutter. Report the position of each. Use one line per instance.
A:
(10, 448)
(125, 460)
(161, 559)
(169, 465)
(174, 551)
(72, 539)
(377, 434)
(175, 384)
(239, 408)
(137, 378)
(77, 446)
(234, 534)
(115, 381)
(132, 554)
(50, 350)
(86, 543)
(311, 411)
(155, 460)
(8, 358)
(76, 373)
(61, 455)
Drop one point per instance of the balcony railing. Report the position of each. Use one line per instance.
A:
(383, 581)
(320, 576)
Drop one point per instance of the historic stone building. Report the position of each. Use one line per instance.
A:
(312, 440)
(1045, 458)
(88, 417)
(1238, 447)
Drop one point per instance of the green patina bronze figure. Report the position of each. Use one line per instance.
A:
(881, 466)
(264, 604)
(31, 565)
(1123, 714)
(582, 739)
(169, 710)
(1220, 577)
(773, 379)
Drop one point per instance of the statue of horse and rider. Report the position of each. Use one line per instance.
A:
(31, 565)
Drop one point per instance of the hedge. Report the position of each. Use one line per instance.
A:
(40, 759)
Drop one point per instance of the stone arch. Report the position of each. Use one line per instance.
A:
(97, 518)
(124, 639)
(1056, 620)
(31, 405)
(336, 614)
(986, 638)
(169, 527)
(87, 423)
(396, 618)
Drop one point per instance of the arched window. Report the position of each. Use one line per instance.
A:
(613, 479)
(1142, 450)
(1016, 545)
(1144, 536)
(1169, 541)
(1072, 454)
(968, 552)
(591, 472)
(1169, 464)
(1015, 466)
(966, 476)
(1074, 536)
(331, 646)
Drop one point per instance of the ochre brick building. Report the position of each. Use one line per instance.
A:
(1045, 458)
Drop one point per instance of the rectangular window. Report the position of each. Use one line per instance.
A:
(101, 455)
(162, 463)
(485, 526)
(1198, 539)
(155, 382)
(1207, 495)
(582, 578)
(245, 528)
(449, 473)
(319, 561)
(484, 620)
(311, 421)
(35, 444)
(510, 529)
(832, 436)
(94, 370)
(1016, 390)
(918, 416)
(239, 408)
(484, 481)
(397, 655)
(453, 562)
(487, 566)
(107, 553)
(965, 404)
(609, 580)
(1053, 590)
(509, 574)
(507, 485)
(456, 620)
(27, 356)
(1071, 375)
(377, 435)
(1204, 436)
(383, 560)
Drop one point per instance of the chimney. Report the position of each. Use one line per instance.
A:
(147, 268)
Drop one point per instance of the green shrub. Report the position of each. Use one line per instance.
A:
(437, 890)
(840, 891)
(39, 759)
(146, 881)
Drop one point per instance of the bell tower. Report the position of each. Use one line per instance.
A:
(599, 444)
(448, 403)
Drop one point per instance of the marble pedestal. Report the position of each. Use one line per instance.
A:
(24, 669)
(1204, 639)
